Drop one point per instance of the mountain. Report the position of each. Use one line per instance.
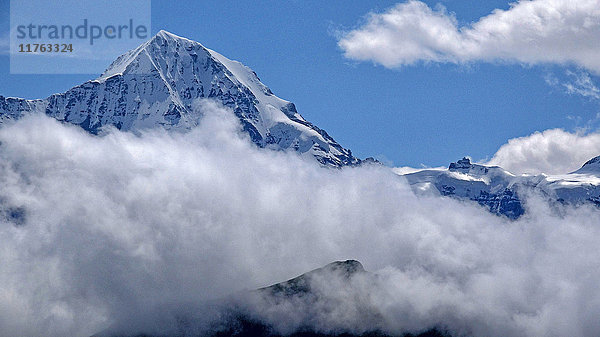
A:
(156, 84)
(337, 288)
(336, 285)
(592, 166)
(501, 192)
(490, 186)
(301, 285)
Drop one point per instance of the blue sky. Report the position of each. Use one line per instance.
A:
(426, 113)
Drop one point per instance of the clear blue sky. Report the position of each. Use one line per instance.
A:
(422, 114)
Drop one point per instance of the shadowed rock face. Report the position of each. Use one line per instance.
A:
(257, 313)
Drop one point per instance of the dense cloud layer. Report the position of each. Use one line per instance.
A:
(531, 32)
(125, 230)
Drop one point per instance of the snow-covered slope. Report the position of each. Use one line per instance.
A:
(592, 166)
(501, 191)
(155, 85)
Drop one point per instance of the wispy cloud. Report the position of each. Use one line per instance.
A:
(529, 32)
(581, 84)
(574, 82)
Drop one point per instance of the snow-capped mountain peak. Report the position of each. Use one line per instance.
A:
(592, 166)
(465, 166)
(155, 85)
(172, 59)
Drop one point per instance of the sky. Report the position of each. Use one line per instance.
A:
(427, 107)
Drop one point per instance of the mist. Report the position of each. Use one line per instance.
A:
(125, 229)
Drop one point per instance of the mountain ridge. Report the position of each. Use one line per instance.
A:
(501, 191)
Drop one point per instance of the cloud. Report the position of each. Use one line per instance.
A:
(407, 169)
(582, 84)
(577, 82)
(126, 230)
(529, 32)
(553, 151)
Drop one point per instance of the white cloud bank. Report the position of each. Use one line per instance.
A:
(553, 151)
(530, 32)
(122, 228)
